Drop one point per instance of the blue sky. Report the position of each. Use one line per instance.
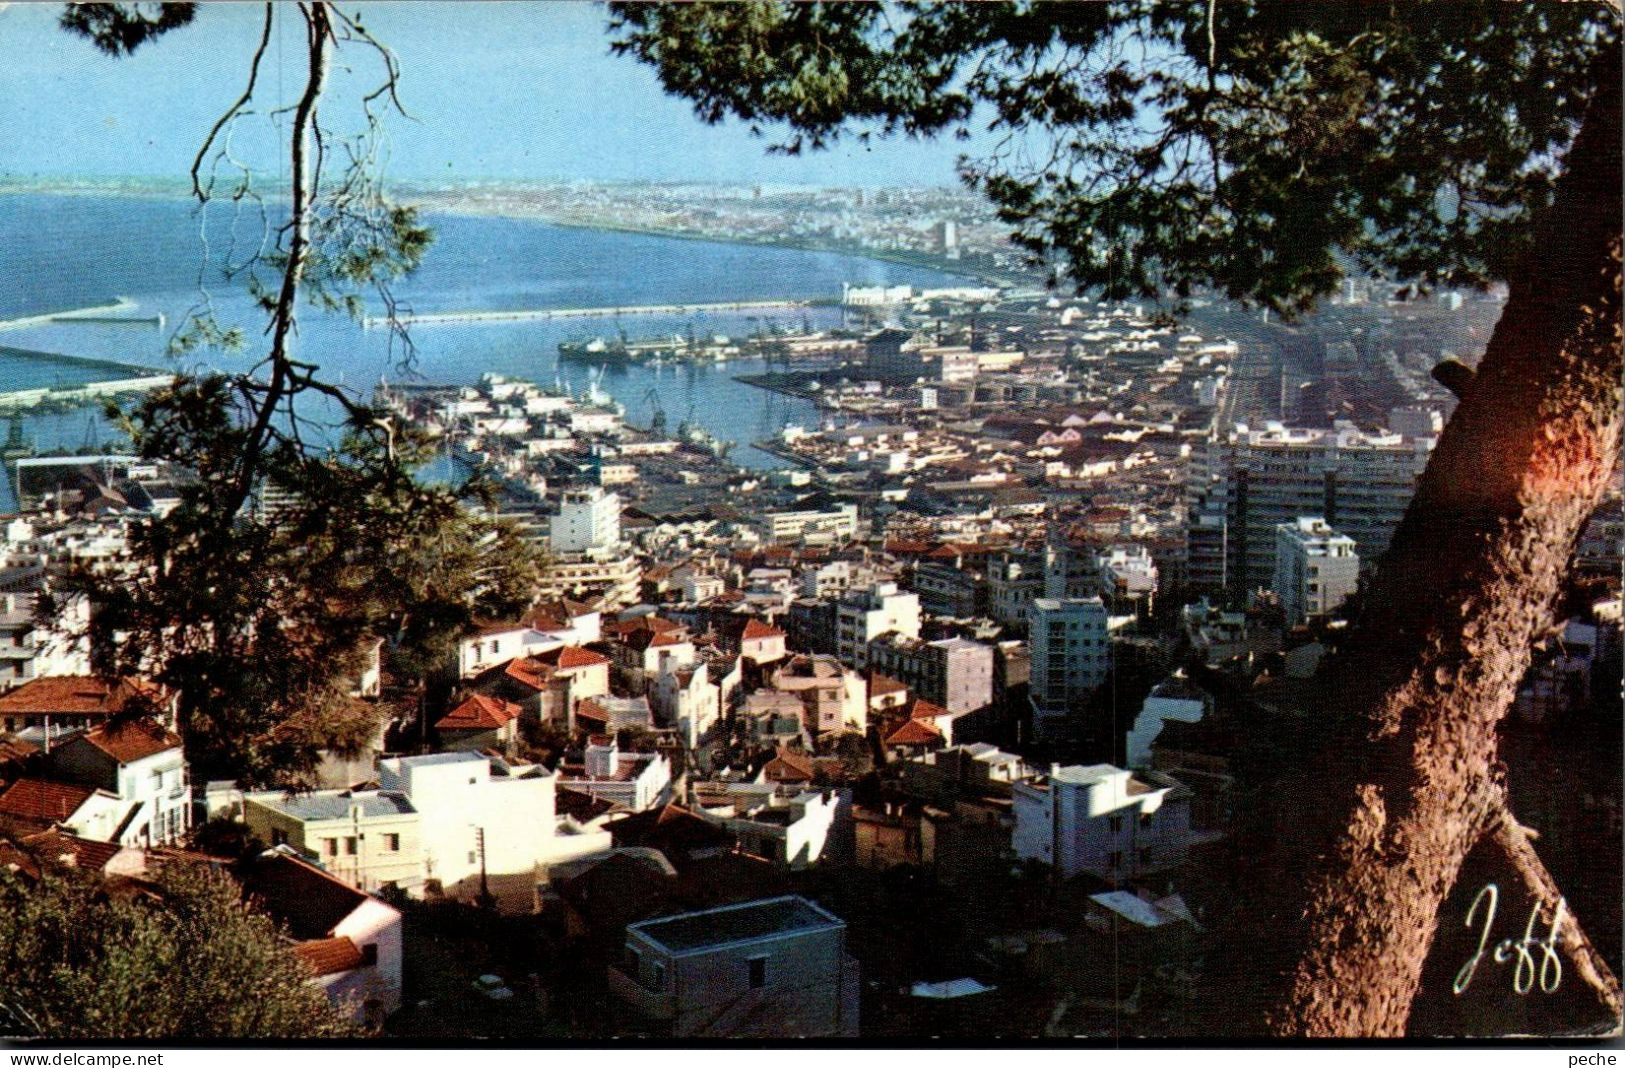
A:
(497, 90)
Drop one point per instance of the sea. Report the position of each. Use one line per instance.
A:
(168, 258)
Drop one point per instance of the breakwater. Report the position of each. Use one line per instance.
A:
(522, 314)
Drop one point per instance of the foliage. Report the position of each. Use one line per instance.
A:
(259, 618)
(304, 531)
(183, 959)
(119, 29)
(1263, 148)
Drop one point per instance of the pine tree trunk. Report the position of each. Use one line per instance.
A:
(1468, 584)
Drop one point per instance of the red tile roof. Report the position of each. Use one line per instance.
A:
(129, 742)
(881, 685)
(54, 845)
(569, 657)
(915, 732)
(79, 695)
(41, 799)
(479, 713)
(17, 860)
(329, 956)
(755, 629)
(789, 767)
(924, 709)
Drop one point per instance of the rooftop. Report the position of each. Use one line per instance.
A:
(747, 922)
(336, 805)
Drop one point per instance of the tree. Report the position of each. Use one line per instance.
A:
(256, 614)
(181, 958)
(1266, 150)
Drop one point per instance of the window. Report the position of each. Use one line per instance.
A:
(349, 845)
(279, 836)
(1116, 824)
(330, 846)
(369, 954)
(392, 843)
(758, 972)
(660, 977)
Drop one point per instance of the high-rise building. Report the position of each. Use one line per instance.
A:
(1070, 656)
(588, 519)
(1316, 568)
(1245, 483)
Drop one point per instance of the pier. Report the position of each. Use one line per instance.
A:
(432, 318)
(116, 312)
(72, 396)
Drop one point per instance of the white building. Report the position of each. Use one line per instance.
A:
(1128, 579)
(864, 615)
(789, 827)
(637, 781)
(350, 941)
(142, 765)
(588, 519)
(1316, 569)
(1114, 824)
(685, 699)
(483, 823)
(1070, 656)
(831, 526)
(31, 648)
(1174, 698)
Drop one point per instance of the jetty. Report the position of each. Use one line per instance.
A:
(118, 311)
(432, 318)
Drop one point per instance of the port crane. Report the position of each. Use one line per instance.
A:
(657, 420)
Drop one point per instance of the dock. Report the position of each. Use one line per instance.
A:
(517, 315)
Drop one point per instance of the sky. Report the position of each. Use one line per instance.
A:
(495, 90)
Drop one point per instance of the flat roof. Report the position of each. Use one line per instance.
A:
(729, 924)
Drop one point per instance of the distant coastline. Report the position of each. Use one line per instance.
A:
(445, 200)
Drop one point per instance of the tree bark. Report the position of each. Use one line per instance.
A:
(1468, 584)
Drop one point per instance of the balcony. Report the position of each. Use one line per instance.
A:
(653, 1004)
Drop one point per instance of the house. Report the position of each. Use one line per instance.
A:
(789, 827)
(648, 645)
(894, 831)
(32, 805)
(31, 854)
(547, 685)
(835, 697)
(773, 717)
(636, 781)
(787, 768)
(498, 642)
(489, 829)
(65, 702)
(1113, 824)
(350, 941)
(685, 700)
(772, 968)
(684, 837)
(760, 643)
(479, 723)
(140, 763)
(367, 839)
(609, 715)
